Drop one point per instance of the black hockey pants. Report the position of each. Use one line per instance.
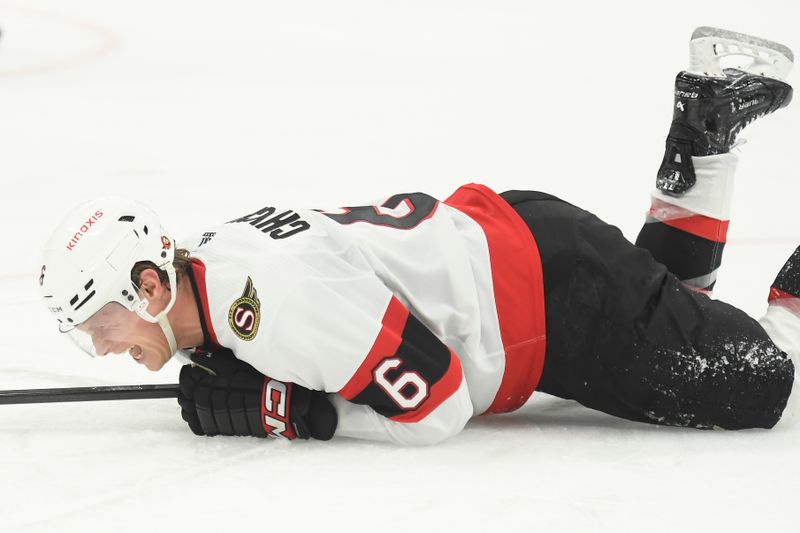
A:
(624, 336)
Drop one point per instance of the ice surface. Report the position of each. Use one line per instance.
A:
(205, 110)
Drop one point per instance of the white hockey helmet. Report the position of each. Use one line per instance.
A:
(87, 263)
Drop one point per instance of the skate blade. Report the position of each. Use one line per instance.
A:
(709, 46)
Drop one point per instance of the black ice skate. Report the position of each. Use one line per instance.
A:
(713, 104)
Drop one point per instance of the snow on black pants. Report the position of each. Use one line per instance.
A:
(626, 337)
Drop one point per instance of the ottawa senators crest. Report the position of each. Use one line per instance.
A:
(245, 313)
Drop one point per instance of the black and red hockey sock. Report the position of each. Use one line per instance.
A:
(688, 233)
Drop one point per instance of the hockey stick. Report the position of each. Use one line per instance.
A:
(89, 394)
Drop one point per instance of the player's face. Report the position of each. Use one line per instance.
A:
(116, 330)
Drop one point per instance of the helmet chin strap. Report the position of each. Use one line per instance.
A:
(163, 321)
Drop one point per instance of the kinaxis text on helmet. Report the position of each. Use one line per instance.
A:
(84, 229)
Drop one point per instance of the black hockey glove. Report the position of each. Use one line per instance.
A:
(222, 395)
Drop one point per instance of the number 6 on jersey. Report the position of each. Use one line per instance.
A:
(394, 389)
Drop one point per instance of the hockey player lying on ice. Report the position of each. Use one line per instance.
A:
(401, 321)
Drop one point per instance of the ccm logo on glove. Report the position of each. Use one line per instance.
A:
(275, 398)
(222, 395)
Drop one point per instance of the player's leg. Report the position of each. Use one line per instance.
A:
(626, 337)
(688, 234)
(782, 320)
(687, 224)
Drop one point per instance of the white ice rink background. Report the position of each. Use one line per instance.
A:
(207, 110)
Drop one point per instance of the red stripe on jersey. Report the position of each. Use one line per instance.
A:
(702, 226)
(440, 391)
(386, 343)
(777, 294)
(199, 271)
(518, 291)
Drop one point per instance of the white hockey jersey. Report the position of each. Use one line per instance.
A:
(415, 314)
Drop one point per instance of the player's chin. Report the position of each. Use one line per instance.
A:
(151, 362)
(154, 366)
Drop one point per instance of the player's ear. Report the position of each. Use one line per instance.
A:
(149, 284)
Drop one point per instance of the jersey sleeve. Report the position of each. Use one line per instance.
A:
(394, 378)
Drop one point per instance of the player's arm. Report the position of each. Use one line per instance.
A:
(409, 388)
(394, 379)
(326, 324)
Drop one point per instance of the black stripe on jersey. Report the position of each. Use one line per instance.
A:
(421, 206)
(421, 352)
(685, 255)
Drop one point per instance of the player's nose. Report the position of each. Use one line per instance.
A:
(104, 347)
(101, 348)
